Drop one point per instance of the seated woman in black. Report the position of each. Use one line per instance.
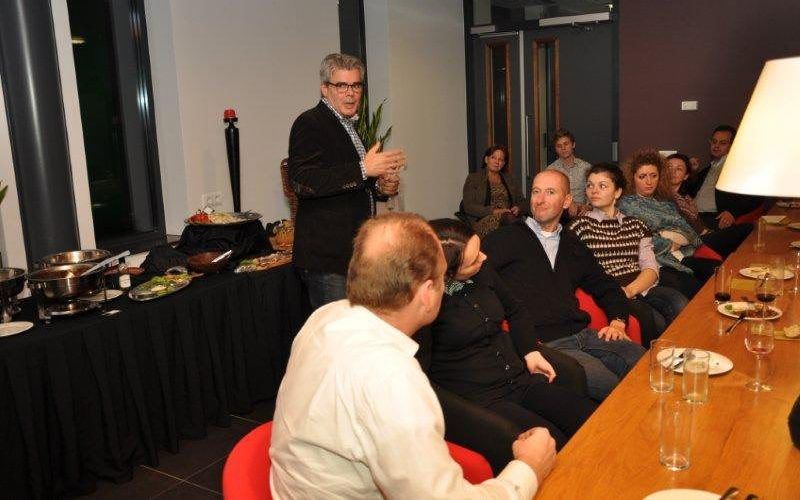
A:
(474, 357)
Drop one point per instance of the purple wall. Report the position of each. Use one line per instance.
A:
(710, 51)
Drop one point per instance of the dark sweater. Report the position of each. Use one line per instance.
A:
(549, 295)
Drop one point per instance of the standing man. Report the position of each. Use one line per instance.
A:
(718, 209)
(337, 181)
(574, 168)
(355, 415)
(543, 264)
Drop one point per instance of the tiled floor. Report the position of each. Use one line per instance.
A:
(193, 473)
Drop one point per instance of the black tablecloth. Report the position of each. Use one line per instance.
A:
(90, 397)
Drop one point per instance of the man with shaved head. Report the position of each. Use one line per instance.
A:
(355, 416)
(543, 264)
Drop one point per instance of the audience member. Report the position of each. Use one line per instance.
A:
(355, 415)
(543, 265)
(723, 241)
(492, 195)
(624, 247)
(674, 240)
(574, 168)
(336, 180)
(718, 209)
(473, 357)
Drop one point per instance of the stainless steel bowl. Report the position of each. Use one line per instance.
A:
(74, 257)
(65, 281)
(12, 281)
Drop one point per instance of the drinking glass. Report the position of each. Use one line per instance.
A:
(777, 268)
(759, 341)
(794, 266)
(675, 438)
(695, 376)
(761, 229)
(766, 291)
(662, 354)
(722, 284)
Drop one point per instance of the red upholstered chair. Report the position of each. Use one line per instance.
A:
(246, 472)
(751, 217)
(706, 252)
(599, 318)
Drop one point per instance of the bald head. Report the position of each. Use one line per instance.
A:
(392, 255)
(550, 196)
(558, 176)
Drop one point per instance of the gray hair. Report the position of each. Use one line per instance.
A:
(333, 62)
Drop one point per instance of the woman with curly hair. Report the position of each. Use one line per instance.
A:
(649, 199)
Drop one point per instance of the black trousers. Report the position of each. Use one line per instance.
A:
(539, 403)
(683, 282)
(726, 241)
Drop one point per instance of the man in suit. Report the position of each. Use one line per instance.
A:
(719, 209)
(543, 264)
(337, 181)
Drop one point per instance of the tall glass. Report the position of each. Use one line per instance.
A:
(759, 341)
(662, 355)
(777, 268)
(761, 237)
(722, 284)
(695, 376)
(675, 438)
(794, 266)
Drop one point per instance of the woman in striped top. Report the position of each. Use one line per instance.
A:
(623, 246)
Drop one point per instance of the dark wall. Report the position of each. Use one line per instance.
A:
(711, 51)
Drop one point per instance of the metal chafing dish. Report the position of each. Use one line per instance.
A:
(74, 257)
(12, 281)
(64, 282)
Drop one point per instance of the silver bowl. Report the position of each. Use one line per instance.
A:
(74, 257)
(65, 282)
(12, 281)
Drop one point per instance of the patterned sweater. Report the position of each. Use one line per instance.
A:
(621, 244)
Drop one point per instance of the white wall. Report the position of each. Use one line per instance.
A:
(415, 58)
(260, 57)
(12, 244)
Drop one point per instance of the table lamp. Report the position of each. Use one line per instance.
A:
(765, 157)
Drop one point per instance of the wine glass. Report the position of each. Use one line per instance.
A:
(766, 291)
(722, 284)
(794, 266)
(759, 341)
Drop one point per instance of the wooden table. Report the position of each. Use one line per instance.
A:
(739, 438)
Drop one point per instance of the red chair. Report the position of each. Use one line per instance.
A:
(706, 252)
(246, 472)
(750, 217)
(600, 320)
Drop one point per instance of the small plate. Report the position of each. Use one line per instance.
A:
(795, 244)
(14, 327)
(738, 307)
(682, 494)
(759, 272)
(717, 364)
(794, 225)
(99, 297)
(773, 219)
(788, 203)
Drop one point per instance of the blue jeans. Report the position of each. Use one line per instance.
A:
(605, 362)
(667, 301)
(323, 288)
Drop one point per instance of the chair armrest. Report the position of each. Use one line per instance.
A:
(600, 320)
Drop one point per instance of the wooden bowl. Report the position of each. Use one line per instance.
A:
(201, 262)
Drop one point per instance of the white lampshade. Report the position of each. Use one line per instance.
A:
(765, 156)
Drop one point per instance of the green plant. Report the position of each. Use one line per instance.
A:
(367, 126)
(3, 191)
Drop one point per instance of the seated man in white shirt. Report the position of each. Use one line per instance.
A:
(355, 415)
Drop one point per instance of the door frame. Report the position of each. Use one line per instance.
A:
(489, 81)
(556, 91)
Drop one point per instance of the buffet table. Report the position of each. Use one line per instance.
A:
(92, 396)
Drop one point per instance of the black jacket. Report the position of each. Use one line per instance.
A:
(736, 204)
(333, 197)
(549, 295)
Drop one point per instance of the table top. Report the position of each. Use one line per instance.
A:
(739, 438)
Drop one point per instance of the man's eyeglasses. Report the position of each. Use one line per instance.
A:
(343, 87)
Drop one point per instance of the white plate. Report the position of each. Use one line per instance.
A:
(682, 494)
(738, 307)
(788, 203)
(759, 272)
(98, 297)
(14, 327)
(795, 244)
(773, 219)
(718, 364)
(794, 225)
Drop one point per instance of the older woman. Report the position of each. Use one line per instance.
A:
(474, 357)
(624, 247)
(723, 241)
(492, 195)
(674, 240)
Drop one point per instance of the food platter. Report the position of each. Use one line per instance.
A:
(263, 263)
(159, 286)
(752, 311)
(222, 218)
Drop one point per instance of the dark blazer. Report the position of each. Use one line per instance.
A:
(549, 295)
(736, 204)
(333, 197)
(477, 199)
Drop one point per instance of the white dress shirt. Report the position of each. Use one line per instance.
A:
(356, 418)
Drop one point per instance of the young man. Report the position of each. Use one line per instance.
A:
(574, 168)
(543, 264)
(355, 416)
